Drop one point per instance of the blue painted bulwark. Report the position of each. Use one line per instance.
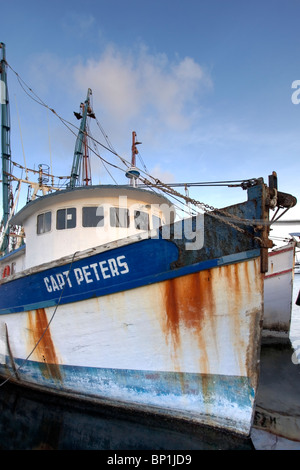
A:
(137, 264)
(121, 269)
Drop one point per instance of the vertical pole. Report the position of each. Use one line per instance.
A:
(80, 142)
(267, 194)
(133, 158)
(5, 147)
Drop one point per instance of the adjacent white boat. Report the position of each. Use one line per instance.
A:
(278, 291)
(278, 288)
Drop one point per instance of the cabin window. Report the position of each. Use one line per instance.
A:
(141, 220)
(93, 216)
(43, 223)
(66, 218)
(156, 221)
(119, 217)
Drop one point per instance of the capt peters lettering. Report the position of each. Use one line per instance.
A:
(91, 273)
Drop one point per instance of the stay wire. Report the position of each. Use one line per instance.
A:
(110, 148)
(67, 123)
(156, 183)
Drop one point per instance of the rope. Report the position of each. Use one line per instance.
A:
(18, 165)
(44, 332)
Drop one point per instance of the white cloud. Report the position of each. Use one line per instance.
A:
(163, 175)
(144, 86)
(154, 95)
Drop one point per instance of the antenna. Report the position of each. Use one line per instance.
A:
(133, 172)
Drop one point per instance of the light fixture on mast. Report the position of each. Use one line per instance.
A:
(133, 172)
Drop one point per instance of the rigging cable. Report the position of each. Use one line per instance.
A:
(156, 183)
(109, 147)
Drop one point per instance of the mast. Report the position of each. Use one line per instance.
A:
(5, 148)
(80, 152)
(133, 173)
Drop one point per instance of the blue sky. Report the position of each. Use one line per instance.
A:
(206, 85)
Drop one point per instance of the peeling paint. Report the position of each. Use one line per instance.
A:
(41, 340)
(199, 304)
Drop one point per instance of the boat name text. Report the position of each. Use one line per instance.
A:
(87, 274)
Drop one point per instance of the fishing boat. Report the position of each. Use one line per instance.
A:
(106, 296)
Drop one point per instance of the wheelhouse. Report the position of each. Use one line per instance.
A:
(72, 220)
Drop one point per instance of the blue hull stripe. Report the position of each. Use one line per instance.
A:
(123, 268)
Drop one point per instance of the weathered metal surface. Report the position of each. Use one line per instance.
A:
(202, 302)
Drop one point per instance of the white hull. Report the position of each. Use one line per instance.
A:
(185, 347)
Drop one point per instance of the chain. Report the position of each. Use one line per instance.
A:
(205, 207)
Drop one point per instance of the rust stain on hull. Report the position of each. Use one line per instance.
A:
(188, 300)
(44, 352)
(204, 302)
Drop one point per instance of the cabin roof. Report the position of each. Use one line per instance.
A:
(84, 193)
